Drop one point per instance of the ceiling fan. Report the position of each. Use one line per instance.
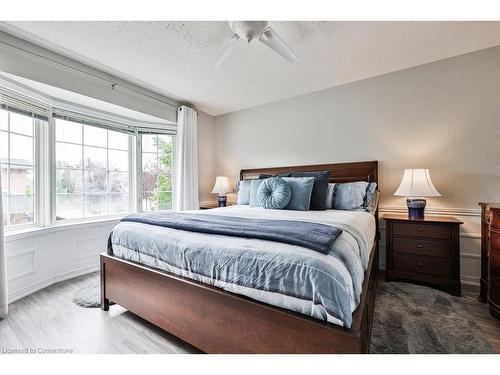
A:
(251, 30)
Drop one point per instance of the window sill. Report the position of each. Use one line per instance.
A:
(19, 234)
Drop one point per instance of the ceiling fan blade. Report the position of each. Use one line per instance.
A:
(226, 51)
(271, 39)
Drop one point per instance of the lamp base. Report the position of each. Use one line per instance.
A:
(222, 200)
(416, 208)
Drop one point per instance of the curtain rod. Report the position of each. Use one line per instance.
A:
(113, 84)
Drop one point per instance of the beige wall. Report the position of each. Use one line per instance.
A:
(444, 116)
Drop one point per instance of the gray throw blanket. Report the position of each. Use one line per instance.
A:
(314, 236)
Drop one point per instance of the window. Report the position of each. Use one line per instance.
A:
(17, 164)
(92, 171)
(60, 164)
(157, 151)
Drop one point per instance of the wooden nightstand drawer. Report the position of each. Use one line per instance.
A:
(418, 246)
(422, 230)
(421, 264)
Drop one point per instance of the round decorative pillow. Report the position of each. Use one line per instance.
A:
(274, 193)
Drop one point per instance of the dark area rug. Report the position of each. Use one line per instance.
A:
(416, 319)
(89, 295)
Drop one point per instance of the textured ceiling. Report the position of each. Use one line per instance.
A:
(175, 58)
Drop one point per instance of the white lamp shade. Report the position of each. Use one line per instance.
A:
(221, 185)
(417, 183)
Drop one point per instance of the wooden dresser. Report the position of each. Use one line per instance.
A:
(425, 251)
(494, 261)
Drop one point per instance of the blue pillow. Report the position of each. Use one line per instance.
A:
(253, 193)
(350, 195)
(320, 188)
(244, 192)
(301, 188)
(274, 193)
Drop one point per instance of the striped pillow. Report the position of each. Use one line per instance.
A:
(350, 196)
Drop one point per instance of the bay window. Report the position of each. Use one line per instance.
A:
(62, 166)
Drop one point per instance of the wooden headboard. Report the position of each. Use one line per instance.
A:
(340, 172)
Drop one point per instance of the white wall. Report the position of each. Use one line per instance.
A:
(37, 260)
(444, 116)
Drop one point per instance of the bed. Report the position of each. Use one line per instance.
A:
(217, 316)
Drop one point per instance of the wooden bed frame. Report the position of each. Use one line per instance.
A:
(216, 321)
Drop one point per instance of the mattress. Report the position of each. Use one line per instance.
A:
(323, 286)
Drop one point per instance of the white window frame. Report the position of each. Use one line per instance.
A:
(38, 187)
(138, 161)
(131, 179)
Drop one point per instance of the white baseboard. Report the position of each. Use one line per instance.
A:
(39, 285)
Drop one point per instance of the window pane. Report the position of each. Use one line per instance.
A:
(118, 182)
(165, 182)
(69, 206)
(4, 146)
(157, 166)
(149, 143)
(68, 155)
(5, 170)
(118, 160)
(118, 203)
(4, 120)
(164, 139)
(95, 182)
(21, 149)
(95, 205)
(118, 140)
(21, 180)
(98, 183)
(95, 136)
(95, 158)
(148, 202)
(68, 131)
(69, 181)
(149, 163)
(21, 209)
(5, 199)
(21, 124)
(164, 199)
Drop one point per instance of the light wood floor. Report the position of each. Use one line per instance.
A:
(49, 319)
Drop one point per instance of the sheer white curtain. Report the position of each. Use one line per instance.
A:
(3, 264)
(186, 160)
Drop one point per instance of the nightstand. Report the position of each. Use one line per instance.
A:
(208, 205)
(425, 251)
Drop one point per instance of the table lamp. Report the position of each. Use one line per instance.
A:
(221, 188)
(415, 185)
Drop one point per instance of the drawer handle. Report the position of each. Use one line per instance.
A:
(420, 246)
(420, 229)
(420, 264)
